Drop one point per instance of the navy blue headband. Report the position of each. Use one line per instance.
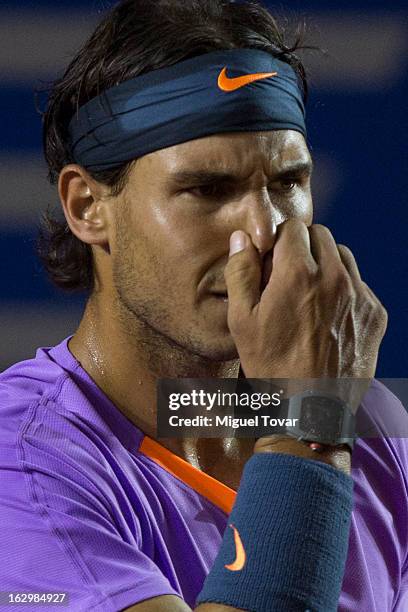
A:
(198, 97)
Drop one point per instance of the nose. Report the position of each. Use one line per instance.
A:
(261, 220)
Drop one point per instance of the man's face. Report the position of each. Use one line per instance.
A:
(174, 219)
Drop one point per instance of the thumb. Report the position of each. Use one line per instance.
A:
(242, 274)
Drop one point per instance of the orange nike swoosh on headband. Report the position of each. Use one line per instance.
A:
(231, 84)
(240, 559)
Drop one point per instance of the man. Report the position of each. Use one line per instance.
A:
(190, 224)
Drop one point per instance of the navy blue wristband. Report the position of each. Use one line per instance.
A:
(286, 542)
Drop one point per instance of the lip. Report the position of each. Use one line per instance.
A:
(221, 296)
(219, 291)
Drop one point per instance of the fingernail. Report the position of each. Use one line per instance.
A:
(238, 242)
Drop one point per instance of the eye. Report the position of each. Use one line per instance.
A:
(211, 190)
(288, 184)
(284, 185)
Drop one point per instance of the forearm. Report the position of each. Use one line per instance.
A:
(292, 516)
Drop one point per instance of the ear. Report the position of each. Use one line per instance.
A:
(84, 201)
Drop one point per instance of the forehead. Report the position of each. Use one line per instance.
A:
(238, 151)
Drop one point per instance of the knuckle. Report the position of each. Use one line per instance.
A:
(318, 228)
(240, 282)
(302, 272)
(343, 281)
(376, 312)
(236, 321)
(378, 307)
(340, 281)
(382, 314)
(291, 225)
(368, 293)
(345, 252)
(293, 222)
(236, 267)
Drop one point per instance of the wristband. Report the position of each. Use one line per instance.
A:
(286, 541)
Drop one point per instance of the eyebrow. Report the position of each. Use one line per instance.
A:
(204, 177)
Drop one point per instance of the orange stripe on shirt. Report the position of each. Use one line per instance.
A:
(215, 491)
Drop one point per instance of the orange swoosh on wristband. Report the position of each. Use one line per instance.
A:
(227, 84)
(240, 559)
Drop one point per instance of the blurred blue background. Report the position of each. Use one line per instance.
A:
(357, 121)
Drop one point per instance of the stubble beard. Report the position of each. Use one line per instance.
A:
(150, 325)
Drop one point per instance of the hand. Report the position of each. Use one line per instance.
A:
(315, 318)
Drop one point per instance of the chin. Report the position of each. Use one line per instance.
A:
(216, 349)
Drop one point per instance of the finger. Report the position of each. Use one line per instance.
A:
(349, 262)
(242, 274)
(323, 246)
(266, 269)
(293, 244)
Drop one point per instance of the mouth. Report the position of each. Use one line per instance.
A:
(220, 295)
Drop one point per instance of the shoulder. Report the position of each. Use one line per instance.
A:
(64, 497)
(63, 446)
(51, 419)
(23, 386)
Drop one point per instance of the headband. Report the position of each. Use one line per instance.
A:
(237, 90)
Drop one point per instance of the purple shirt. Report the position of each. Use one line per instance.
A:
(90, 507)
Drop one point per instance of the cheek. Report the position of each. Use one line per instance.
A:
(162, 257)
(303, 208)
(178, 233)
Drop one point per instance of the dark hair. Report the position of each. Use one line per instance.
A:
(138, 36)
